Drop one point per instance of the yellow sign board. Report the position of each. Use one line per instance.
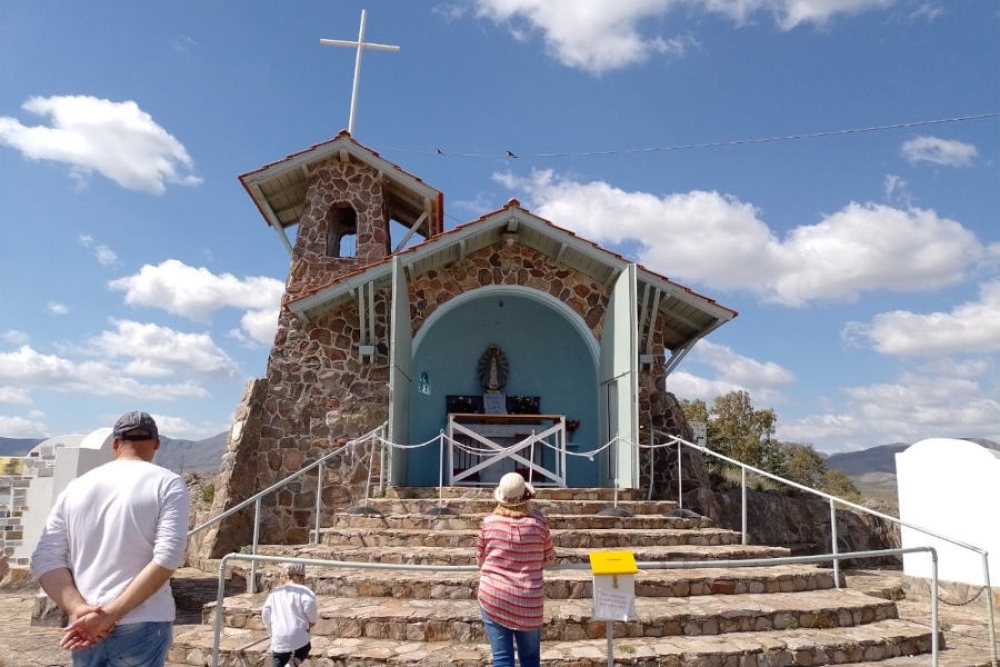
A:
(613, 562)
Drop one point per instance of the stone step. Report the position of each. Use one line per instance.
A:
(588, 538)
(877, 644)
(542, 493)
(484, 504)
(570, 619)
(473, 521)
(466, 555)
(559, 584)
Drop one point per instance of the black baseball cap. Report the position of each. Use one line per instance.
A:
(136, 421)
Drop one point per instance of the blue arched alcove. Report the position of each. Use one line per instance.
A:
(551, 354)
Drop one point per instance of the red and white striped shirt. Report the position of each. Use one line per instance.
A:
(512, 552)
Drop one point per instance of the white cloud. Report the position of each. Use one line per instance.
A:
(262, 325)
(928, 11)
(156, 351)
(939, 151)
(974, 326)
(720, 242)
(923, 406)
(793, 13)
(592, 35)
(945, 398)
(741, 370)
(692, 387)
(181, 428)
(599, 36)
(195, 293)
(846, 430)
(897, 191)
(731, 371)
(15, 396)
(116, 139)
(56, 308)
(15, 337)
(22, 427)
(105, 255)
(31, 370)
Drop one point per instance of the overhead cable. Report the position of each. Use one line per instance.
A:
(509, 155)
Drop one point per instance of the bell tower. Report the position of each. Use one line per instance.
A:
(349, 206)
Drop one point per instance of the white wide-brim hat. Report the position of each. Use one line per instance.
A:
(513, 490)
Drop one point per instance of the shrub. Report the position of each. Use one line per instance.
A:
(208, 493)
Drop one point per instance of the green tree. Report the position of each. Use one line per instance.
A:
(804, 465)
(737, 430)
(837, 483)
(695, 411)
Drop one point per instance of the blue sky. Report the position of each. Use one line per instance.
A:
(828, 168)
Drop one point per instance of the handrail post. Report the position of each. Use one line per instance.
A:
(680, 479)
(743, 502)
(256, 536)
(989, 608)
(934, 607)
(371, 464)
(220, 595)
(441, 468)
(652, 458)
(381, 466)
(833, 541)
(319, 499)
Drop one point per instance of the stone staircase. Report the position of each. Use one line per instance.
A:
(773, 616)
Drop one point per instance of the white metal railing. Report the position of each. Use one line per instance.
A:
(376, 434)
(560, 448)
(648, 565)
(833, 500)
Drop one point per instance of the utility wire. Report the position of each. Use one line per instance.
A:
(714, 144)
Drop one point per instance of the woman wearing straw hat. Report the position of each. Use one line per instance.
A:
(513, 546)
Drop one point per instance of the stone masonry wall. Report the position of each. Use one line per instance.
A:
(501, 264)
(660, 412)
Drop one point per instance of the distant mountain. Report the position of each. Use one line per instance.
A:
(17, 446)
(881, 459)
(192, 455)
(177, 455)
(874, 459)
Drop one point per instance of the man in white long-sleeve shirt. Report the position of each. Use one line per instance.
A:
(113, 539)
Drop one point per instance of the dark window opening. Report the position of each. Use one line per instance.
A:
(342, 237)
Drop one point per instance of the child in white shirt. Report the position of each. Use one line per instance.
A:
(288, 614)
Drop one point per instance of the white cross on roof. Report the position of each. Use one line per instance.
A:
(360, 45)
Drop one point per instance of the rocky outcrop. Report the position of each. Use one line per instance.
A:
(801, 522)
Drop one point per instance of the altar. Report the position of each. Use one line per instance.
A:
(483, 447)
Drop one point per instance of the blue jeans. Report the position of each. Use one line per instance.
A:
(130, 645)
(529, 644)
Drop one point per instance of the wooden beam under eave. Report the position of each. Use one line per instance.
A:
(409, 234)
(562, 251)
(271, 216)
(657, 295)
(613, 274)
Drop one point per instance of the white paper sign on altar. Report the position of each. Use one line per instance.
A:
(495, 404)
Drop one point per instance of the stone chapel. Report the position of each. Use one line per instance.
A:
(499, 328)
